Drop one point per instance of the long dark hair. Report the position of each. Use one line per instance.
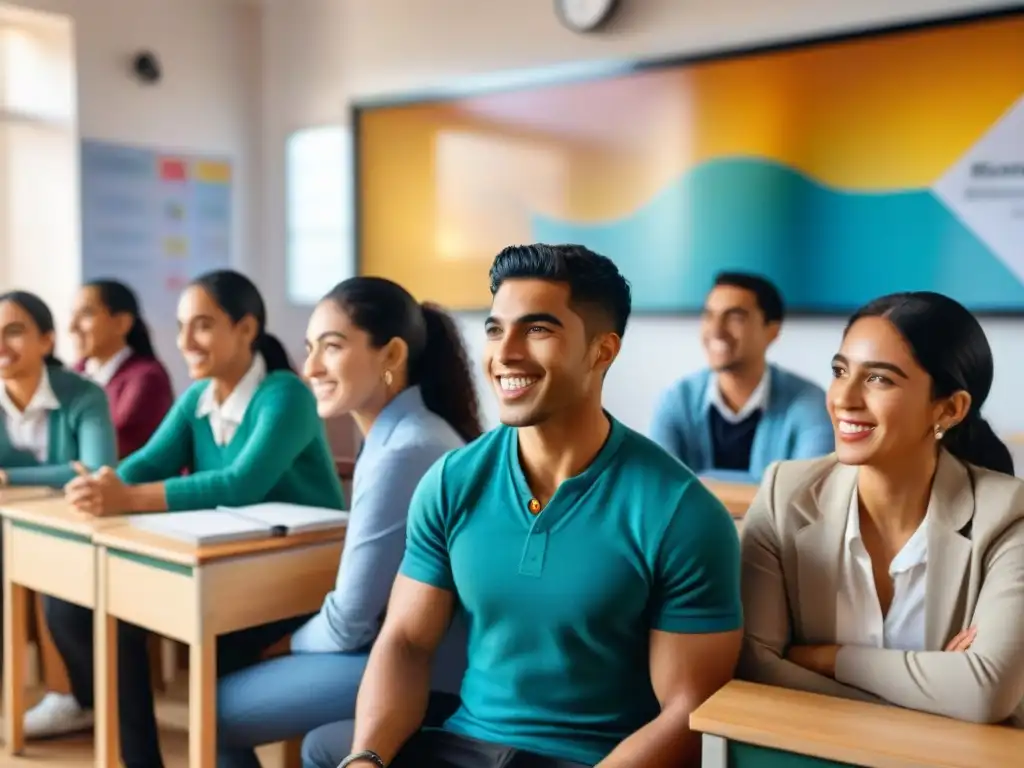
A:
(119, 299)
(41, 315)
(950, 344)
(438, 363)
(238, 296)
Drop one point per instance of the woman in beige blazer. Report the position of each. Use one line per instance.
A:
(893, 570)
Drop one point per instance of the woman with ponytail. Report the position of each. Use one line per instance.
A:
(248, 432)
(893, 570)
(399, 369)
(115, 351)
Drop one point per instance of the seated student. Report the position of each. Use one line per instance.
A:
(51, 416)
(248, 432)
(401, 371)
(894, 570)
(599, 576)
(115, 351)
(733, 420)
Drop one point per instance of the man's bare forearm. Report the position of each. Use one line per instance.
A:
(665, 742)
(392, 698)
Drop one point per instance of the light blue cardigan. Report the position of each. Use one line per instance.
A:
(795, 425)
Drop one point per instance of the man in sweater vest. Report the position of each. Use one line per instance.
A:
(733, 419)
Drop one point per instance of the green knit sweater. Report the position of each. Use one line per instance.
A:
(80, 430)
(278, 453)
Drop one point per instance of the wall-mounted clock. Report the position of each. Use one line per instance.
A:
(585, 15)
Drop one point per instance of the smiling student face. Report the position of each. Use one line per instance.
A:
(538, 356)
(733, 329)
(210, 341)
(880, 399)
(344, 368)
(23, 349)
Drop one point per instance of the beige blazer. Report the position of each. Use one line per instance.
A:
(792, 537)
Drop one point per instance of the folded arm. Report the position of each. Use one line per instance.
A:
(766, 610)
(985, 683)
(97, 445)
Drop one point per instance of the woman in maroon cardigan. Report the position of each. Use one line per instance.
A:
(115, 351)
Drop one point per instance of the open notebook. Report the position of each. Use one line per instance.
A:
(226, 524)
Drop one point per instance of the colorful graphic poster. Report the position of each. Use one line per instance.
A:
(841, 170)
(153, 220)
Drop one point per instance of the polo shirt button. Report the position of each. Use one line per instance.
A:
(534, 507)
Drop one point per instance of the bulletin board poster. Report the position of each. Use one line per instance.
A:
(841, 170)
(153, 220)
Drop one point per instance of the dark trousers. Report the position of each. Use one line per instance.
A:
(72, 629)
(440, 749)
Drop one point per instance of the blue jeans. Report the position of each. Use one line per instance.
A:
(329, 744)
(283, 698)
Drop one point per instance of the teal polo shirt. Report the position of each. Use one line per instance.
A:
(560, 604)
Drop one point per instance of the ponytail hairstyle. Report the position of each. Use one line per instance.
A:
(239, 297)
(119, 299)
(41, 315)
(950, 344)
(437, 361)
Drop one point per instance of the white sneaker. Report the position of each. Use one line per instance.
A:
(57, 714)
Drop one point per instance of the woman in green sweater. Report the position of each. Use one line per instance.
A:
(51, 417)
(246, 432)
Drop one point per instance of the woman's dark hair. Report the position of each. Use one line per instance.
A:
(119, 299)
(238, 296)
(40, 313)
(950, 344)
(438, 363)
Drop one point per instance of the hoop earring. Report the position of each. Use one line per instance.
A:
(388, 378)
(939, 432)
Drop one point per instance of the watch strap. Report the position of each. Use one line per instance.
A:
(373, 757)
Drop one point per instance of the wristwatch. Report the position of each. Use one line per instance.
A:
(373, 757)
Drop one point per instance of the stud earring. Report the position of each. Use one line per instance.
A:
(388, 378)
(939, 432)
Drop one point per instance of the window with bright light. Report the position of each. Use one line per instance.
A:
(319, 212)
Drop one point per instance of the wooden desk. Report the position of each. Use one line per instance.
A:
(747, 725)
(47, 548)
(193, 595)
(736, 497)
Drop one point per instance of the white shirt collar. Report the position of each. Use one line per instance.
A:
(757, 401)
(914, 552)
(234, 406)
(102, 373)
(42, 401)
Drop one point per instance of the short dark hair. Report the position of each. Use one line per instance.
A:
(950, 344)
(594, 280)
(768, 298)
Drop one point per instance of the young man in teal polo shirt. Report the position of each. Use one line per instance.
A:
(599, 578)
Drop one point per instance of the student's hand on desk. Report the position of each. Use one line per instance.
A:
(100, 493)
(816, 658)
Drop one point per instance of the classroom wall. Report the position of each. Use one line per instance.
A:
(319, 54)
(207, 102)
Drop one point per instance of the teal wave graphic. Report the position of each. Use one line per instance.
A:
(828, 250)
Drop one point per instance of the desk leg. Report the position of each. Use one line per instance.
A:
(15, 652)
(108, 727)
(714, 751)
(202, 702)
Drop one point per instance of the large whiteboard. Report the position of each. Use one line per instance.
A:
(153, 219)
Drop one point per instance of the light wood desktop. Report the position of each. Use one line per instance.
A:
(747, 725)
(736, 497)
(193, 594)
(47, 548)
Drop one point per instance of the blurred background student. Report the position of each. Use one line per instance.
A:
(115, 351)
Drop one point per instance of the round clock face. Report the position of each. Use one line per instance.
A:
(584, 15)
